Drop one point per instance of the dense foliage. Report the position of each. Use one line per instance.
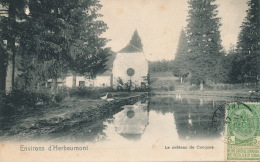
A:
(248, 46)
(9, 33)
(200, 55)
(53, 38)
(160, 66)
(181, 61)
(204, 43)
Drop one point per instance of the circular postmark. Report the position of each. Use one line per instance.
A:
(235, 120)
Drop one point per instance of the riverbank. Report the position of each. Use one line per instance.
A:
(209, 93)
(46, 123)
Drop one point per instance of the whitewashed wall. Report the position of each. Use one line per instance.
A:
(69, 80)
(99, 81)
(102, 81)
(124, 61)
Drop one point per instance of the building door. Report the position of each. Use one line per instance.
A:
(81, 83)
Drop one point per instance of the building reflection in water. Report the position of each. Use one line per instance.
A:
(132, 120)
(192, 116)
(130, 123)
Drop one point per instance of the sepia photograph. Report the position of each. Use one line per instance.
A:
(129, 80)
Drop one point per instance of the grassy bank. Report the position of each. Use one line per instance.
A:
(210, 93)
(166, 84)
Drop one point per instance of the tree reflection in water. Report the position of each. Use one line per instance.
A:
(193, 116)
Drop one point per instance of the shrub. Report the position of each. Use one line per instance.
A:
(235, 86)
(89, 92)
(172, 88)
(194, 88)
(20, 98)
(44, 96)
(2, 99)
(197, 87)
(59, 96)
(163, 88)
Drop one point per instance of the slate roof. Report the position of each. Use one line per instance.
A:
(130, 49)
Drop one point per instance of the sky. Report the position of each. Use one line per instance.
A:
(159, 23)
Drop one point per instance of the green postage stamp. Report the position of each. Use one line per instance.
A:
(243, 131)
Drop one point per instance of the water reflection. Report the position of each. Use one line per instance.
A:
(159, 118)
(131, 122)
(192, 116)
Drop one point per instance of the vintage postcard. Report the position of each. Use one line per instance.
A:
(129, 80)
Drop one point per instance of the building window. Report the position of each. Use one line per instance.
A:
(81, 83)
(130, 72)
(130, 114)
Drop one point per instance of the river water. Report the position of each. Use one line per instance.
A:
(161, 118)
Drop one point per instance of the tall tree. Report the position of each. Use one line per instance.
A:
(235, 63)
(9, 31)
(204, 43)
(136, 41)
(44, 40)
(64, 35)
(180, 63)
(87, 51)
(3, 57)
(248, 47)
